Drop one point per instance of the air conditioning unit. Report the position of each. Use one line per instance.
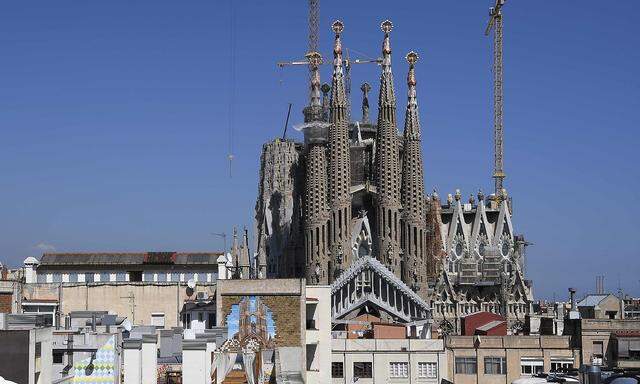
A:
(201, 296)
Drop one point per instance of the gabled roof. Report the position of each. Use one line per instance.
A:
(369, 263)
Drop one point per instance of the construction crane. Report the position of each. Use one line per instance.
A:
(347, 62)
(495, 24)
(314, 16)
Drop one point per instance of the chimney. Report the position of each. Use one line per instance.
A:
(572, 298)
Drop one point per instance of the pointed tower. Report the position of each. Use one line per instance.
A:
(387, 168)
(316, 209)
(339, 161)
(414, 231)
(365, 88)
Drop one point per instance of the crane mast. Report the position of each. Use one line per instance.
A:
(495, 24)
(314, 16)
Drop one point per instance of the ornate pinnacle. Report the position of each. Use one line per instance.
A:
(337, 27)
(386, 27)
(365, 88)
(412, 59)
(315, 59)
(337, 88)
(412, 122)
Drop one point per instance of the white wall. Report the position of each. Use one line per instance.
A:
(194, 364)
(321, 364)
(149, 360)
(132, 365)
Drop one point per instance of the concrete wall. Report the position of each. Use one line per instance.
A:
(136, 301)
(599, 331)
(513, 348)
(383, 352)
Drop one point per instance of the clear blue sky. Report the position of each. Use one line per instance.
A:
(115, 119)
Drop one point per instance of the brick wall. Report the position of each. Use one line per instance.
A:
(286, 316)
(5, 302)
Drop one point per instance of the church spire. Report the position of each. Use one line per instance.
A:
(338, 96)
(412, 192)
(339, 159)
(412, 122)
(387, 166)
(387, 94)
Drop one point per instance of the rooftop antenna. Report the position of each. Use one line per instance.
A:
(224, 239)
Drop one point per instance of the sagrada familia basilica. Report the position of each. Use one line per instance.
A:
(347, 208)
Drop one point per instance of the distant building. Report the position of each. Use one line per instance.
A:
(503, 359)
(601, 306)
(163, 267)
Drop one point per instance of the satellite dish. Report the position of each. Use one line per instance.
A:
(126, 324)
(191, 284)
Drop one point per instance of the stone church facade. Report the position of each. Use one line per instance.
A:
(350, 201)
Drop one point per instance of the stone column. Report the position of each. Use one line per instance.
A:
(149, 359)
(132, 357)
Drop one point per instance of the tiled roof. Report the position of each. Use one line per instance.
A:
(129, 258)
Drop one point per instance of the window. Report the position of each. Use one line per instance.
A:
(38, 349)
(89, 277)
(399, 369)
(56, 277)
(186, 321)
(135, 276)
(41, 278)
(495, 366)
(157, 319)
(73, 277)
(57, 357)
(531, 366)
(175, 276)
(148, 276)
(200, 317)
(427, 370)
(559, 364)
(212, 320)
(362, 370)
(466, 365)
(337, 370)
(120, 276)
(105, 277)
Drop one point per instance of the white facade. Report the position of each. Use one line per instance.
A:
(381, 361)
(194, 362)
(318, 333)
